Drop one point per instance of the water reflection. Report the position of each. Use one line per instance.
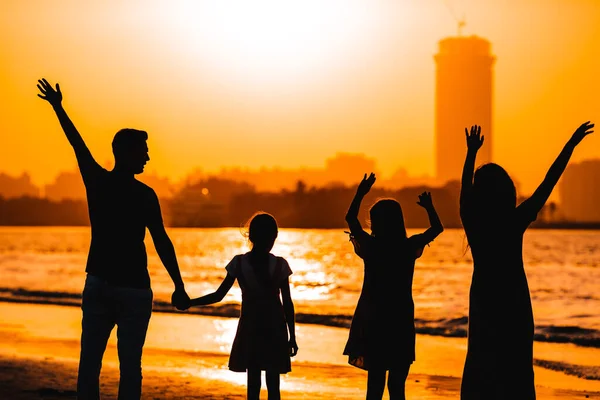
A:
(224, 333)
(562, 269)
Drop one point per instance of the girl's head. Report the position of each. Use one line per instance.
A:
(494, 191)
(262, 231)
(387, 219)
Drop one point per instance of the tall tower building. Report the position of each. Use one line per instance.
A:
(464, 89)
(579, 191)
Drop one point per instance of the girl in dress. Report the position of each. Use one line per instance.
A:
(499, 362)
(382, 333)
(266, 336)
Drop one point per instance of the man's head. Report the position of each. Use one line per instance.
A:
(130, 150)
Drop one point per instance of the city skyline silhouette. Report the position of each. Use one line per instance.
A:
(368, 87)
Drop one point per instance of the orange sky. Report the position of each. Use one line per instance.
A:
(220, 83)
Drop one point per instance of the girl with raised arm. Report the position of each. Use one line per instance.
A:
(266, 334)
(382, 333)
(499, 362)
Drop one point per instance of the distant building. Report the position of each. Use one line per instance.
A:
(17, 186)
(340, 169)
(67, 185)
(401, 179)
(579, 192)
(161, 185)
(347, 168)
(464, 89)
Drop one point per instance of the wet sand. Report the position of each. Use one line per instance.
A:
(186, 356)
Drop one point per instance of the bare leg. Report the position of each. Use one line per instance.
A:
(375, 384)
(253, 391)
(273, 385)
(397, 381)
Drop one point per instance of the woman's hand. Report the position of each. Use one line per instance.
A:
(474, 138)
(581, 132)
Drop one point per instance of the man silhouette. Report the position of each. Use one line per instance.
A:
(117, 287)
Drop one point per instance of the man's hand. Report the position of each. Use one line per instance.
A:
(180, 299)
(51, 95)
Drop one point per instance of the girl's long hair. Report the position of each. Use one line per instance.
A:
(387, 219)
(261, 230)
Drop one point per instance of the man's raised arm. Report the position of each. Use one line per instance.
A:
(54, 96)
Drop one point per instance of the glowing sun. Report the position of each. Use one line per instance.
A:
(273, 40)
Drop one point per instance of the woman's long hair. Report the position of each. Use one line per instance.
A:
(494, 192)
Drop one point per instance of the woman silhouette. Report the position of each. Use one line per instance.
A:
(499, 362)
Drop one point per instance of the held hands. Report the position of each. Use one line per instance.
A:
(425, 200)
(180, 299)
(581, 132)
(474, 138)
(365, 185)
(293, 347)
(51, 95)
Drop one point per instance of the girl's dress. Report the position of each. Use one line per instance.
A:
(382, 333)
(261, 340)
(499, 362)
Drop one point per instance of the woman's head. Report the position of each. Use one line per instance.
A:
(493, 189)
(262, 231)
(387, 219)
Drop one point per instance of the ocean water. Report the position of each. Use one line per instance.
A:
(46, 265)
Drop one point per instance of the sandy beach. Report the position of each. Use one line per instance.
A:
(186, 358)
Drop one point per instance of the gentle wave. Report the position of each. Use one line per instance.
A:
(454, 327)
(588, 372)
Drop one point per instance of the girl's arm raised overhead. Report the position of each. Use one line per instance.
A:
(352, 215)
(435, 224)
(216, 296)
(474, 143)
(534, 204)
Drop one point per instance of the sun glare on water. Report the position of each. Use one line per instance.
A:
(265, 41)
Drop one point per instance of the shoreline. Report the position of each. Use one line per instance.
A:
(544, 334)
(186, 357)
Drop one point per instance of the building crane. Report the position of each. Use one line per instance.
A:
(460, 22)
